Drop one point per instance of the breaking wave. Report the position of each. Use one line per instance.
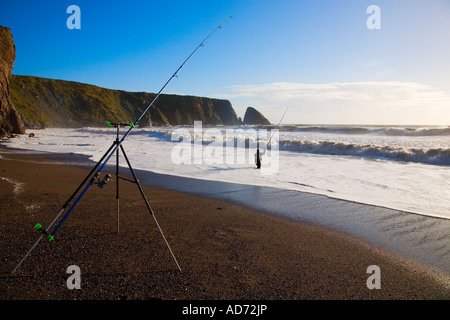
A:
(437, 156)
(374, 130)
(322, 143)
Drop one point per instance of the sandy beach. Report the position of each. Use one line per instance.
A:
(226, 251)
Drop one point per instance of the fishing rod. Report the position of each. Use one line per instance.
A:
(267, 145)
(133, 125)
(258, 155)
(95, 179)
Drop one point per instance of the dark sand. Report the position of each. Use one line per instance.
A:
(422, 238)
(226, 251)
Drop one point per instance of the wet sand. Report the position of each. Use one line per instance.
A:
(226, 250)
(418, 237)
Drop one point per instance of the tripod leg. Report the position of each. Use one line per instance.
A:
(117, 187)
(37, 241)
(26, 255)
(148, 206)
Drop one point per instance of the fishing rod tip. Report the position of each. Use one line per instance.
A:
(225, 21)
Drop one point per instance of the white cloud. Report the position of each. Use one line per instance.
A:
(390, 102)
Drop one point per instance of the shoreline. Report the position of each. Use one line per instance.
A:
(415, 236)
(220, 243)
(418, 237)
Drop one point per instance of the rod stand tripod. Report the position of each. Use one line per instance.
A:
(93, 178)
(135, 181)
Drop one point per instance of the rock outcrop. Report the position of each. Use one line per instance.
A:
(10, 121)
(254, 117)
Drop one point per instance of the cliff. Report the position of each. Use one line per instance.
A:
(254, 117)
(56, 103)
(35, 102)
(10, 121)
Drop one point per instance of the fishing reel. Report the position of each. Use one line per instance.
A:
(100, 183)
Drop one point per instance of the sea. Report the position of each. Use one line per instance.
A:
(404, 168)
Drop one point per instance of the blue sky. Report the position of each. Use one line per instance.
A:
(317, 57)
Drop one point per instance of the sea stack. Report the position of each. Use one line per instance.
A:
(254, 117)
(10, 121)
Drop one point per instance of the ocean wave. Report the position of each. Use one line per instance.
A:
(436, 156)
(371, 130)
(351, 130)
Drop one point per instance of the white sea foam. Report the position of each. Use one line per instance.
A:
(396, 167)
(17, 186)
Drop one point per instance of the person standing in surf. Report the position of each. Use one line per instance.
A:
(258, 157)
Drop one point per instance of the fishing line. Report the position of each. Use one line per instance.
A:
(267, 145)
